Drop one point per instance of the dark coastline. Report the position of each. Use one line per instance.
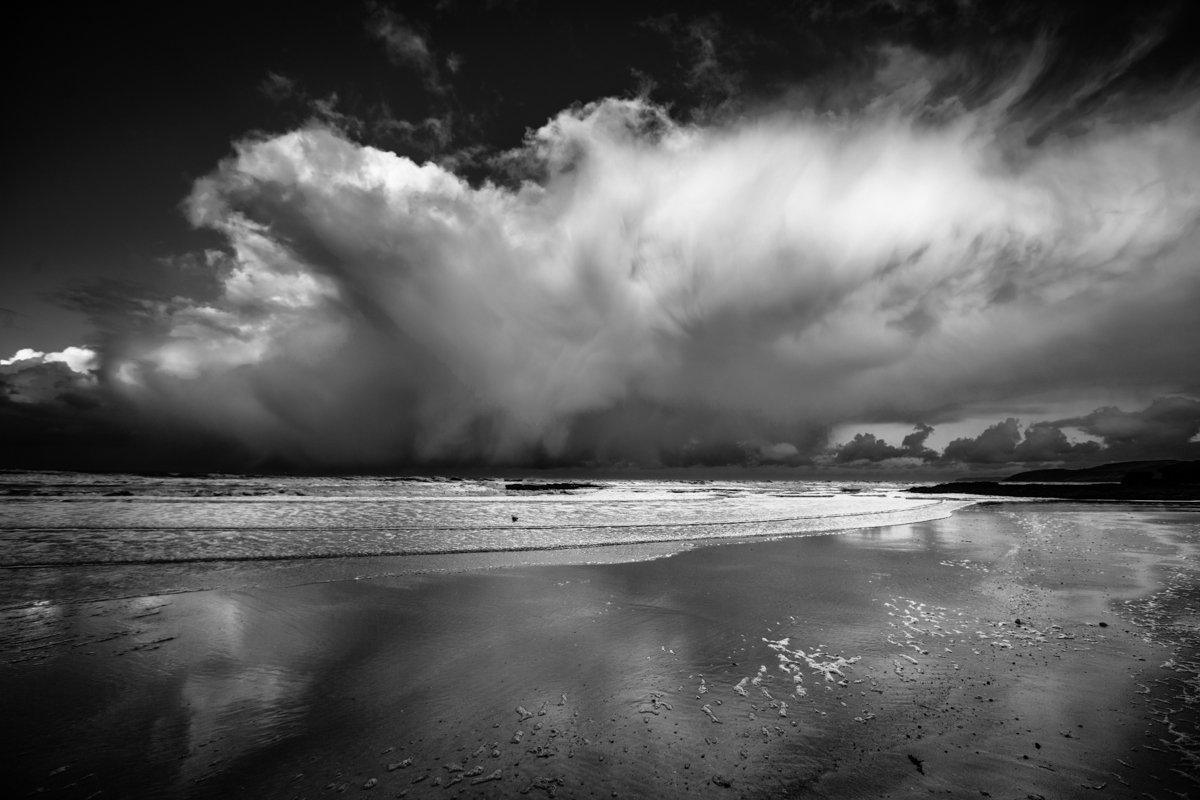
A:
(1132, 481)
(1064, 491)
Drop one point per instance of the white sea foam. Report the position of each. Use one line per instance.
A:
(145, 523)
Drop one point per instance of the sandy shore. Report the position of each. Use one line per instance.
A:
(876, 663)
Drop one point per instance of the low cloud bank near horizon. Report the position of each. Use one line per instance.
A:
(657, 292)
(1168, 428)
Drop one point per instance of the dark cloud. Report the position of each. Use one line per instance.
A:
(53, 412)
(996, 445)
(41, 380)
(1003, 443)
(867, 447)
(1046, 442)
(914, 443)
(1167, 428)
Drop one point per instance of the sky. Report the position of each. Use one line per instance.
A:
(883, 236)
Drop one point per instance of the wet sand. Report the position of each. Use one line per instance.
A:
(877, 663)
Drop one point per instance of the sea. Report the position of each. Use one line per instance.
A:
(74, 536)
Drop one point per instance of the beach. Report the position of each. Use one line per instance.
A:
(601, 401)
(1014, 650)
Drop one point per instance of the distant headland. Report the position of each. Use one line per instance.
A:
(1126, 480)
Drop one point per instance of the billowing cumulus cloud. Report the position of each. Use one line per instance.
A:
(996, 445)
(870, 448)
(1004, 443)
(1167, 428)
(914, 443)
(51, 410)
(656, 288)
(1046, 442)
(77, 360)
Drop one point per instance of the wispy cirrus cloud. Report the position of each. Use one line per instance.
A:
(406, 45)
(374, 123)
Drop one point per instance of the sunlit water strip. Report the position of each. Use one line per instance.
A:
(76, 546)
(83, 529)
(117, 546)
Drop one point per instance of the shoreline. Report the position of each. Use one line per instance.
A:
(39, 580)
(841, 522)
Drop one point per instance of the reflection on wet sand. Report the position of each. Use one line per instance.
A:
(941, 656)
(248, 686)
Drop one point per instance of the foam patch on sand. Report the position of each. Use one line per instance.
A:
(817, 660)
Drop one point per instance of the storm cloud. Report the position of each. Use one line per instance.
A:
(1169, 427)
(1004, 443)
(655, 287)
(870, 448)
